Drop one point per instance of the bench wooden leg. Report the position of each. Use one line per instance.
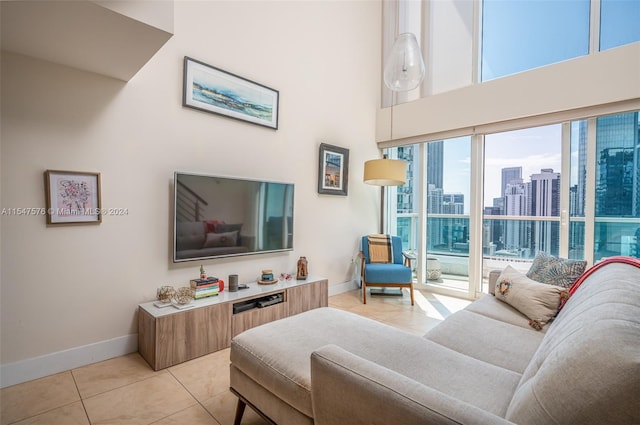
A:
(239, 412)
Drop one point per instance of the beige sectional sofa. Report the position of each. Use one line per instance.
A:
(482, 365)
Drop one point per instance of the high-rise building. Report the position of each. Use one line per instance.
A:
(577, 209)
(435, 163)
(545, 193)
(509, 175)
(515, 204)
(453, 203)
(617, 175)
(406, 198)
(435, 199)
(545, 202)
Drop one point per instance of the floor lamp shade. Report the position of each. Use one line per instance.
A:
(385, 172)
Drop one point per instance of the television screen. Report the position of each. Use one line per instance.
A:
(218, 216)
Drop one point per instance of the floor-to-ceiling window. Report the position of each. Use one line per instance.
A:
(521, 195)
(526, 207)
(435, 205)
(447, 227)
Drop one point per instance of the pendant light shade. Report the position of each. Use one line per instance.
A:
(404, 69)
(385, 172)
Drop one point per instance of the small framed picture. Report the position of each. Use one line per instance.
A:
(73, 197)
(333, 170)
(210, 89)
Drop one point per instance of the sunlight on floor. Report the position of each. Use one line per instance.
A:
(429, 309)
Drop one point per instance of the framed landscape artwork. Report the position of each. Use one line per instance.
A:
(210, 89)
(72, 197)
(333, 170)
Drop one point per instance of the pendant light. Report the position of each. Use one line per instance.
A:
(405, 67)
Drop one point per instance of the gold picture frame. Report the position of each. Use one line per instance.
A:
(73, 197)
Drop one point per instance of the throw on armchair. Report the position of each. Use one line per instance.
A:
(383, 264)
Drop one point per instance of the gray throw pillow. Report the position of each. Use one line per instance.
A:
(555, 270)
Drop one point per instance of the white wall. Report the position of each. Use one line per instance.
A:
(69, 287)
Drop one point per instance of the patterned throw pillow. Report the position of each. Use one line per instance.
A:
(538, 301)
(555, 271)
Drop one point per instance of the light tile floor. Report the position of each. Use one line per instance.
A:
(125, 390)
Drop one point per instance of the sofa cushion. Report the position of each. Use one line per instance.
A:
(537, 301)
(385, 273)
(555, 270)
(189, 235)
(277, 355)
(491, 307)
(493, 341)
(587, 368)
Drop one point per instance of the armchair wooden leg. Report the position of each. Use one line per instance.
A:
(411, 292)
(364, 293)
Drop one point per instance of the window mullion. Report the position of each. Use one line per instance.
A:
(594, 27)
(590, 192)
(476, 216)
(421, 268)
(565, 189)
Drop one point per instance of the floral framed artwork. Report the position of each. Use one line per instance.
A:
(211, 89)
(333, 170)
(73, 197)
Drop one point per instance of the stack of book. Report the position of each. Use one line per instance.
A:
(204, 288)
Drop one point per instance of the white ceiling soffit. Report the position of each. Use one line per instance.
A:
(87, 35)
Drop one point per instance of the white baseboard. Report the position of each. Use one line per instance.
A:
(48, 364)
(343, 287)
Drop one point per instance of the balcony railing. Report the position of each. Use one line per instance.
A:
(515, 239)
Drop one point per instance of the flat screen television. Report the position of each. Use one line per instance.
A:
(216, 216)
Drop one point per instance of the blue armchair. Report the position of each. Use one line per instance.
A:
(396, 274)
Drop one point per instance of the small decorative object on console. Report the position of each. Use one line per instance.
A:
(267, 277)
(183, 296)
(203, 274)
(164, 295)
(285, 276)
(302, 272)
(233, 282)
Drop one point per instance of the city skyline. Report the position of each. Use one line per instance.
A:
(537, 148)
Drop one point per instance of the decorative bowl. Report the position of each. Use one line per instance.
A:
(165, 293)
(184, 295)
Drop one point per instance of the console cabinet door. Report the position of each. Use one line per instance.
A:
(193, 333)
(308, 297)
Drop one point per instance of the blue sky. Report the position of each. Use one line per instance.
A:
(518, 35)
(522, 35)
